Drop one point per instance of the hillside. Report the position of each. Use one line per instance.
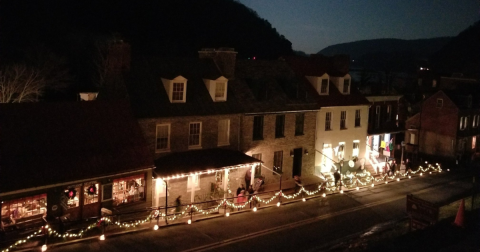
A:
(160, 27)
(420, 47)
(461, 54)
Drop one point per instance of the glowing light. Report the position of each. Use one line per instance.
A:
(448, 169)
(421, 174)
(155, 227)
(341, 191)
(323, 195)
(303, 200)
(373, 185)
(255, 209)
(398, 179)
(409, 176)
(278, 204)
(44, 247)
(227, 214)
(357, 188)
(386, 182)
(102, 237)
(189, 222)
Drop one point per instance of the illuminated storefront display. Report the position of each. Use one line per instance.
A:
(129, 189)
(14, 210)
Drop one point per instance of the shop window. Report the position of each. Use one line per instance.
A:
(13, 210)
(72, 196)
(128, 190)
(90, 193)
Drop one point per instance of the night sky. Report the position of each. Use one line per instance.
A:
(312, 25)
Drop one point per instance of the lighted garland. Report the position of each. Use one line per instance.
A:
(322, 187)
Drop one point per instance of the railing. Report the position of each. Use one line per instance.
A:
(60, 231)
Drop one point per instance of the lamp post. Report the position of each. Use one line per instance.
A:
(401, 158)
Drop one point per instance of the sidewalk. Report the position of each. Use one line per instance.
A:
(269, 198)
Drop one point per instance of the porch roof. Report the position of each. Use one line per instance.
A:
(200, 160)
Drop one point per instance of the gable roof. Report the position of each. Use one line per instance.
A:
(150, 100)
(47, 143)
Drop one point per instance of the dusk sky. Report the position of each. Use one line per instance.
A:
(312, 25)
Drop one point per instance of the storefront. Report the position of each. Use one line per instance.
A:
(23, 209)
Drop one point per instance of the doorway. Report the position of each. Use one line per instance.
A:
(297, 162)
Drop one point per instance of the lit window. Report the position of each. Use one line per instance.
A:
(178, 92)
(220, 91)
(23, 207)
(195, 134)
(128, 189)
(463, 122)
(474, 141)
(439, 103)
(412, 138)
(356, 148)
(223, 132)
(162, 142)
(193, 181)
(90, 193)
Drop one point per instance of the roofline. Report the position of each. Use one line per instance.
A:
(367, 105)
(70, 182)
(374, 98)
(282, 112)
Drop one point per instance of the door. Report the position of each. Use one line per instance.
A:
(297, 162)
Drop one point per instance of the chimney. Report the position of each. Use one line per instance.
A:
(223, 57)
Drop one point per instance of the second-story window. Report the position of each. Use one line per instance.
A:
(257, 127)
(346, 86)
(463, 122)
(328, 120)
(280, 126)
(377, 117)
(223, 132)
(162, 142)
(389, 113)
(178, 93)
(343, 120)
(195, 134)
(299, 121)
(357, 118)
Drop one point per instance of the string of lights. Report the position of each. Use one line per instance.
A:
(189, 209)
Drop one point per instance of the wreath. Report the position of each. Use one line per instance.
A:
(71, 193)
(92, 190)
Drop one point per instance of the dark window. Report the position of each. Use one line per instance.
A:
(346, 85)
(328, 120)
(258, 167)
(299, 121)
(324, 86)
(257, 127)
(377, 117)
(280, 126)
(357, 118)
(439, 103)
(343, 120)
(278, 161)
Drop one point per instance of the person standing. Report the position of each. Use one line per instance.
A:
(248, 177)
(298, 184)
(336, 176)
(240, 188)
(178, 204)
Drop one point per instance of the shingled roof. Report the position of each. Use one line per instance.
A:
(284, 92)
(47, 143)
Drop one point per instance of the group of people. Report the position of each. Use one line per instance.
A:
(243, 194)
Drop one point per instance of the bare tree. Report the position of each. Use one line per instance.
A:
(19, 83)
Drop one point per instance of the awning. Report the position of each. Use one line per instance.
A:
(200, 161)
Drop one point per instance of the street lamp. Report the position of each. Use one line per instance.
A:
(401, 158)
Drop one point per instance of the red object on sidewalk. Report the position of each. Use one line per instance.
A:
(460, 219)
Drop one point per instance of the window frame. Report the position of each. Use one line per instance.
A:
(223, 97)
(346, 86)
(191, 136)
(323, 86)
(257, 129)
(358, 118)
(377, 116)
(439, 103)
(343, 120)
(225, 135)
(299, 124)
(356, 148)
(280, 126)
(167, 149)
(328, 121)
(182, 92)
(278, 161)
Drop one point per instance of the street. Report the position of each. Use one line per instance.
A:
(314, 225)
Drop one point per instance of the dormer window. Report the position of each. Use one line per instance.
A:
(346, 86)
(176, 89)
(217, 88)
(320, 83)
